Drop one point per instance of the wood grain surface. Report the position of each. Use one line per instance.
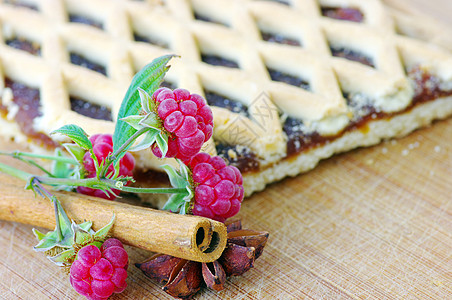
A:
(374, 223)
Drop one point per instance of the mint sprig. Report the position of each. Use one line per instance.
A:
(148, 79)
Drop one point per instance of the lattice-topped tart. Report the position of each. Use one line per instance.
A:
(291, 82)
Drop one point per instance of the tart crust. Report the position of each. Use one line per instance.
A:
(376, 131)
(294, 75)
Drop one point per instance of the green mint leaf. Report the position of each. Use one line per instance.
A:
(76, 134)
(149, 79)
(147, 141)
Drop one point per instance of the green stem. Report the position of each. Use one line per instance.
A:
(120, 150)
(15, 172)
(96, 183)
(57, 220)
(18, 154)
(56, 206)
(154, 190)
(87, 182)
(35, 164)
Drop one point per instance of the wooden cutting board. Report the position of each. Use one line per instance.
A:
(374, 223)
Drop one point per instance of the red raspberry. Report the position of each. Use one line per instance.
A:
(98, 273)
(103, 146)
(188, 120)
(219, 188)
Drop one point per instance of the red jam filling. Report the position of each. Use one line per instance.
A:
(90, 110)
(284, 2)
(347, 14)
(28, 100)
(24, 45)
(239, 156)
(139, 38)
(168, 84)
(19, 3)
(204, 18)
(85, 20)
(352, 55)
(279, 39)
(276, 75)
(215, 99)
(218, 61)
(86, 63)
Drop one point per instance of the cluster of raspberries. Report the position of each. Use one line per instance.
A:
(98, 272)
(188, 120)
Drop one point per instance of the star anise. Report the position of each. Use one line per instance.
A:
(183, 278)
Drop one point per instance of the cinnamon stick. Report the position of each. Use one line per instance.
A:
(189, 237)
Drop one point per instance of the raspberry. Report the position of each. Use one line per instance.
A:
(219, 187)
(97, 274)
(102, 147)
(188, 120)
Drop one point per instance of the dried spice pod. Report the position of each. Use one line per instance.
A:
(237, 258)
(214, 275)
(233, 225)
(159, 267)
(185, 280)
(249, 238)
